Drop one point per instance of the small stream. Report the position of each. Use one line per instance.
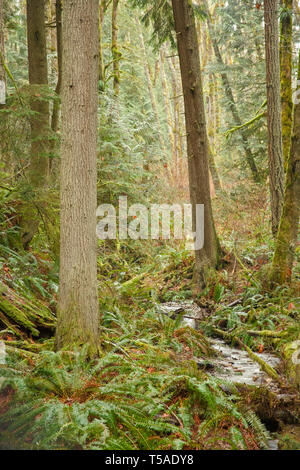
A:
(231, 364)
(235, 365)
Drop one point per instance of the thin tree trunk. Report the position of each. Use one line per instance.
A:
(211, 137)
(276, 173)
(286, 59)
(197, 147)
(102, 10)
(231, 101)
(176, 109)
(116, 55)
(78, 319)
(180, 124)
(282, 265)
(56, 104)
(166, 96)
(214, 171)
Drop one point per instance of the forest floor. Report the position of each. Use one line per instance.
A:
(160, 381)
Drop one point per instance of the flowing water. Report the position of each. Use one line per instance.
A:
(234, 365)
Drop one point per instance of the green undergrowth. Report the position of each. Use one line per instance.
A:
(146, 390)
(137, 396)
(262, 320)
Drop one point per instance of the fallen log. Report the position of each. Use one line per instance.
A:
(267, 333)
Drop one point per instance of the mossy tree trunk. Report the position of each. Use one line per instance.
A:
(102, 10)
(78, 318)
(275, 154)
(288, 229)
(178, 125)
(197, 145)
(166, 96)
(177, 92)
(38, 172)
(56, 105)
(116, 54)
(286, 58)
(38, 80)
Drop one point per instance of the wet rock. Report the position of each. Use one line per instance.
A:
(190, 311)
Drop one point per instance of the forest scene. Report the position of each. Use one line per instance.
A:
(149, 225)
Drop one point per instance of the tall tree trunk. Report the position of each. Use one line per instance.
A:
(102, 10)
(197, 147)
(214, 170)
(166, 96)
(39, 121)
(231, 101)
(116, 55)
(78, 317)
(276, 173)
(38, 78)
(289, 224)
(211, 136)
(178, 124)
(177, 92)
(286, 60)
(56, 104)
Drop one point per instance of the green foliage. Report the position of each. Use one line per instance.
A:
(275, 311)
(127, 147)
(241, 44)
(66, 401)
(160, 16)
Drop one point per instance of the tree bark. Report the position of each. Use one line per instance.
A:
(78, 317)
(286, 59)
(276, 173)
(177, 93)
(116, 55)
(166, 96)
(56, 105)
(197, 147)
(286, 241)
(38, 79)
(231, 101)
(102, 10)
(39, 121)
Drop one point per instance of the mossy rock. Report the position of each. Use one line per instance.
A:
(291, 353)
